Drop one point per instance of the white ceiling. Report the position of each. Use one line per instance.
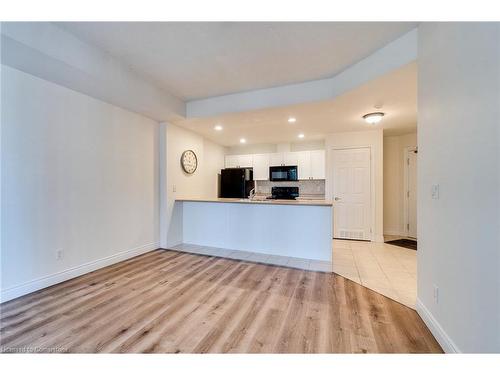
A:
(202, 59)
(396, 92)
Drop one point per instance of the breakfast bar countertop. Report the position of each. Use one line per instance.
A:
(289, 202)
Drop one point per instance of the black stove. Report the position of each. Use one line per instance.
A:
(284, 192)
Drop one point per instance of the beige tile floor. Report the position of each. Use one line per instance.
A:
(387, 269)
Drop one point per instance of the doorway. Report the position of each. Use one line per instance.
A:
(410, 174)
(352, 193)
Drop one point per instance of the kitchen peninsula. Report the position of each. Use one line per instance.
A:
(298, 229)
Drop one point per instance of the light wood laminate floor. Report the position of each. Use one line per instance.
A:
(174, 302)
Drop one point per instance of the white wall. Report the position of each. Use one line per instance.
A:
(201, 184)
(78, 175)
(394, 186)
(459, 143)
(374, 140)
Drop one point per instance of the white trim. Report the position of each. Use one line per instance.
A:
(436, 329)
(394, 232)
(375, 237)
(58, 277)
(406, 211)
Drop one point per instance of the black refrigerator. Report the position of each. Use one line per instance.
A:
(236, 182)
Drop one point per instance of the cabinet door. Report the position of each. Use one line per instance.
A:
(304, 165)
(318, 165)
(275, 160)
(261, 167)
(291, 158)
(245, 161)
(231, 161)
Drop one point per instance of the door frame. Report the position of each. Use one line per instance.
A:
(406, 204)
(372, 184)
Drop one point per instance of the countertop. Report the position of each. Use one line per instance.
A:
(287, 202)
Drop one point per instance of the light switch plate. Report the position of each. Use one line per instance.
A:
(435, 191)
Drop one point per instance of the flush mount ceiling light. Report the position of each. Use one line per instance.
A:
(243, 140)
(218, 127)
(373, 118)
(291, 120)
(301, 135)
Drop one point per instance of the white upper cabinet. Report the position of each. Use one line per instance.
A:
(283, 158)
(291, 158)
(318, 168)
(261, 166)
(231, 161)
(310, 164)
(239, 161)
(246, 161)
(304, 166)
(275, 160)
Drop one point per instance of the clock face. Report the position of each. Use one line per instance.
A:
(189, 161)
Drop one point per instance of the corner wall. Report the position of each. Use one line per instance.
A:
(459, 143)
(203, 183)
(79, 184)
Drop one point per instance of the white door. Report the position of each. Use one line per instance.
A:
(261, 167)
(351, 194)
(412, 194)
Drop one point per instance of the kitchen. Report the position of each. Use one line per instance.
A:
(270, 209)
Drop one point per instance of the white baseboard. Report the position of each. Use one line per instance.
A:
(394, 233)
(43, 282)
(441, 336)
(378, 238)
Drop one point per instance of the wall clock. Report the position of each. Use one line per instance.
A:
(189, 161)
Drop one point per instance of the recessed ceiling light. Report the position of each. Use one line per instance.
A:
(292, 119)
(373, 118)
(301, 135)
(243, 140)
(218, 127)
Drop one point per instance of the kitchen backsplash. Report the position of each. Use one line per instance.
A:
(312, 188)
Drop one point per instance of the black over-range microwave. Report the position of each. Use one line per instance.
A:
(283, 173)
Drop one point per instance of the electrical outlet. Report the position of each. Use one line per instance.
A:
(59, 254)
(436, 294)
(435, 191)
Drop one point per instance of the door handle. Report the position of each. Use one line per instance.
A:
(337, 198)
